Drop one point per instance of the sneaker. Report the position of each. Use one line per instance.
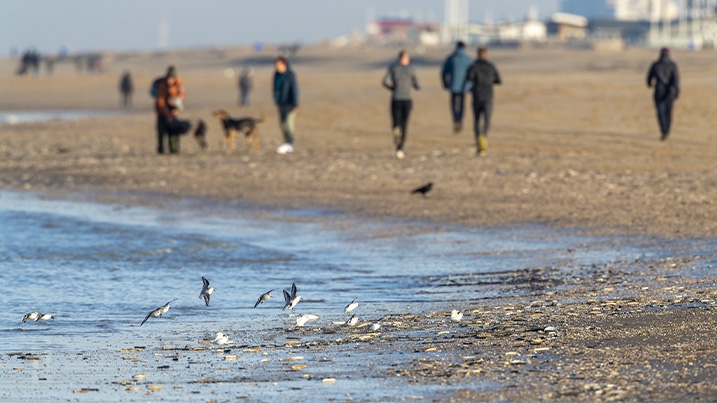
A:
(396, 135)
(457, 127)
(285, 149)
(400, 155)
(663, 137)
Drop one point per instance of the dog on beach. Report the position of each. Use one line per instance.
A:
(245, 125)
(200, 134)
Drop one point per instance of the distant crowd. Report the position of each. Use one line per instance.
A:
(460, 75)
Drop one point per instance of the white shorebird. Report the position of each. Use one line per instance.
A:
(350, 307)
(375, 327)
(264, 297)
(456, 316)
(352, 321)
(31, 316)
(45, 316)
(302, 319)
(157, 313)
(291, 299)
(221, 339)
(207, 291)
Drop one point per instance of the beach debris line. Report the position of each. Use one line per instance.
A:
(157, 313)
(207, 291)
(290, 298)
(264, 297)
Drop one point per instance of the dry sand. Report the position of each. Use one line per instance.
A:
(574, 144)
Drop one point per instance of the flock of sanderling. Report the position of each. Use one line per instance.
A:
(291, 299)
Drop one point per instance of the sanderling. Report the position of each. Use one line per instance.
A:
(456, 316)
(291, 299)
(31, 316)
(302, 319)
(350, 307)
(206, 291)
(221, 339)
(45, 316)
(264, 297)
(375, 327)
(352, 321)
(157, 313)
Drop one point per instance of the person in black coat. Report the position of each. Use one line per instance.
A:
(483, 76)
(665, 78)
(126, 88)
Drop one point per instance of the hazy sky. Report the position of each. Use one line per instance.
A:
(134, 24)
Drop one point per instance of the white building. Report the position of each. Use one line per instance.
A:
(624, 10)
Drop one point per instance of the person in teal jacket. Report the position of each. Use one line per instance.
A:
(453, 75)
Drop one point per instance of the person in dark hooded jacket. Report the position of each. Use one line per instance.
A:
(286, 97)
(665, 78)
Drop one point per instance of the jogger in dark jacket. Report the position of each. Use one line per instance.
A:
(483, 75)
(453, 76)
(665, 77)
(400, 79)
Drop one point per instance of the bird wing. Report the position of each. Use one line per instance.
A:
(293, 290)
(261, 298)
(167, 304)
(146, 317)
(287, 297)
(206, 282)
(206, 299)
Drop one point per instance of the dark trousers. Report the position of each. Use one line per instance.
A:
(400, 111)
(664, 113)
(457, 106)
(127, 99)
(482, 109)
(162, 132)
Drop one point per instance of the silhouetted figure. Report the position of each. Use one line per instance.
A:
(665, 77)
(169, 93)
(400, 79)
(483, 75)
(246, 84)
(126, 88)
(455, 69)
(286, 97)
(423, 189)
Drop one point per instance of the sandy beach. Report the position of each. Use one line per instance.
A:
(574, 145)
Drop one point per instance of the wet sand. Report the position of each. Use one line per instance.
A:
(574, 144)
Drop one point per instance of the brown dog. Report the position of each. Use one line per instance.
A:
(246, 125)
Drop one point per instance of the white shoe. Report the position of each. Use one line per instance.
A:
(285, 149)
(400, 155)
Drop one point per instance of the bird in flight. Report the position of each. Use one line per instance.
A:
(291, 299)
(264, 297)
(157, 313)
(350, 307)
(207, 291)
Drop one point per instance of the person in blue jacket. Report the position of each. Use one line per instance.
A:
(286, 97)
(453, 75)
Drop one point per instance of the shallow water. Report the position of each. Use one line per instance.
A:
(44, 116)
(101, 268)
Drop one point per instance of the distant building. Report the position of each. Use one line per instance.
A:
(567, 27)
(623, 10)
(399, 31)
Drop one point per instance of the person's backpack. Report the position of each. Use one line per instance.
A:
(155, 86)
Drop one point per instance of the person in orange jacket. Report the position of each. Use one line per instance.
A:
(169, 97)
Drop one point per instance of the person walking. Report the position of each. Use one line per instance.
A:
(454, 72)
(665, 78)
(400, 79)
(126, 88)
(169, 92)
(246, 84)
(483, 76)
(286, 97)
